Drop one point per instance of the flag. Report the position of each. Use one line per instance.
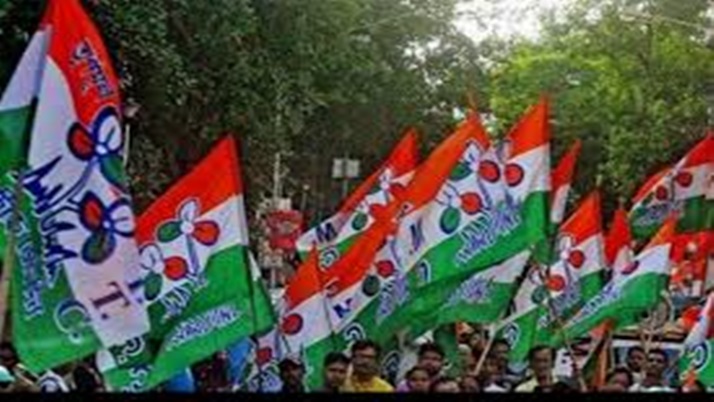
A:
(355, 283)
(561, 178)
(633, 290)
(304, 323)
(618, 243)
(697, 361)
(17, 107)
(262, 374)
(576, 276)
(482, 213)
(485, 295)
(204, 292)
(520, 328)
(76, 283)
(682, 189)
(333, 236)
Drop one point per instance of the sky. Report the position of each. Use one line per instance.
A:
(506, 18)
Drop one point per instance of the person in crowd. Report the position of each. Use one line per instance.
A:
(478, 341)
(417, 380)
(86, 378)
(618, 380)
(6, 380)
(24, 381)
(431, 357)
(502, 350)
(491, 374)
(635, 362)
(541, 360)
(335, 372)
(653, 380)
(212, 374)
(445, 385)
(470, 384)
(365, 369)
(622, 377)
(292, 375)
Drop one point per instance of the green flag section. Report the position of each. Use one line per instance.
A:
(520, 328)
(682, 188)
(632, 290)
(203, 290)
(333, 236)
(75, 281)
(697, 360)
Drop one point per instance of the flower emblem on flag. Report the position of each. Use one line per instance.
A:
(572, 259)
(470, 200)
(513, 173)
(105, 223)
(158, 268)
(205, 232)
(194, 231)
(101, 144)
(387, 189)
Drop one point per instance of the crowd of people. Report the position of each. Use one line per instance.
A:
(641, 372)
(360, 373)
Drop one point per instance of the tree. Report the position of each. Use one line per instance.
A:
(633, 88)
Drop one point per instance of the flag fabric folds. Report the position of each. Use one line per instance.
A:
(203, 289)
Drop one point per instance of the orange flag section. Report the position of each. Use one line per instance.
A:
(437, 168)
(532, 131)
(585, 221)
(305, 283)
(403, 159)
(618, 237)
(218, 177)
(650, 184)
(666, 233)
(563, 173)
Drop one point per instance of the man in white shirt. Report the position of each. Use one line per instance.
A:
(654, 374)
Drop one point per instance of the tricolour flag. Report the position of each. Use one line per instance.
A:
(576, 276)
(562, 178)
(333, 236)
(520, 328)
(203, 290)
(485, 295)
(682, 189)
(76, 283)
(17, 107)
(633, 290)
(697, 360)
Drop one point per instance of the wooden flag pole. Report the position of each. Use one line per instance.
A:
(487, 349)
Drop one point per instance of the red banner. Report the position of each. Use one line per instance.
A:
(285, 228)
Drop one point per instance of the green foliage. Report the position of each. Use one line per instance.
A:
(634, 90)
(319, 79)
